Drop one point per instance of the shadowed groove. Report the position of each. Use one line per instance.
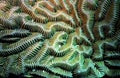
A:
(18, 47)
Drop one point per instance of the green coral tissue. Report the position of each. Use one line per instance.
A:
(60, 38)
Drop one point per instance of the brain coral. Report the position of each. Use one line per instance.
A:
(60, 38)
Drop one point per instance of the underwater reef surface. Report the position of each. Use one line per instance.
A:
(60, 38)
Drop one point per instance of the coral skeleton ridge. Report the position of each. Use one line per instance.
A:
(60, 38)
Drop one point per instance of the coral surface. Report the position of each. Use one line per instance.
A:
(60, 38)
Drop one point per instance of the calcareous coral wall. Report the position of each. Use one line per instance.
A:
(60, 38)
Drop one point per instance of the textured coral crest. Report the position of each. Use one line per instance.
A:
(60, 38)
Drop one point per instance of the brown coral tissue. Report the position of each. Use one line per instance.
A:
(60, 38)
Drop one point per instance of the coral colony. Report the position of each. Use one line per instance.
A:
(60, 38)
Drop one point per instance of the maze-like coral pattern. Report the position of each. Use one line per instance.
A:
(60, 38)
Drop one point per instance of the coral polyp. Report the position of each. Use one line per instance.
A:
(60, 38)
